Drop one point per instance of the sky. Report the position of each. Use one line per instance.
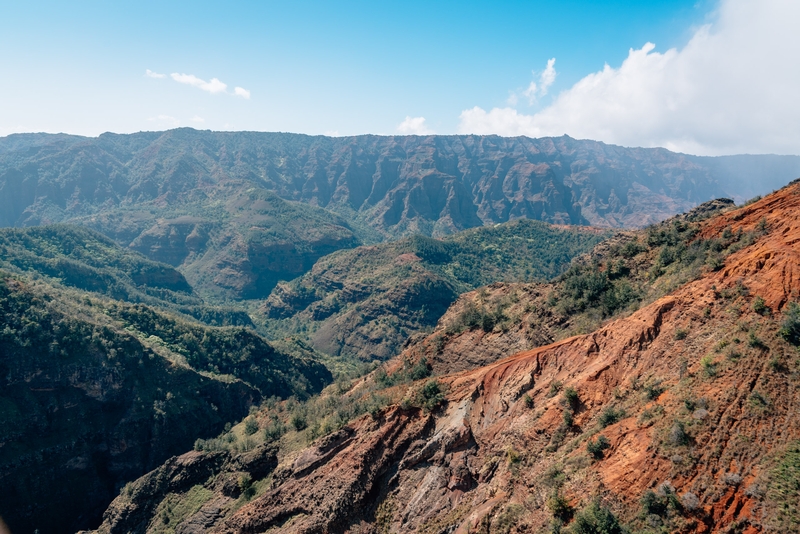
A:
(701, 76)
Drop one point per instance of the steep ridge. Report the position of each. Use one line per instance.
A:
(399, 184)
(650, 421)
(365, 302)
(94, 392)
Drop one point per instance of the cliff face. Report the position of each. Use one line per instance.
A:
(681, 416)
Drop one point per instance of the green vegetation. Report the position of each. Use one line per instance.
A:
(365, 302)
(790, 326)
(609, 416)
(84, 259)
(783, 490)
(595, 519)
(597, 447)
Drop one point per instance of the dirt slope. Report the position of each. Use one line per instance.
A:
(695, 397)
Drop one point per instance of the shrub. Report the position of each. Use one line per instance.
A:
(559, 507)
(760, 306)
(250, 426)
(431, 395)
(596, 519)
(246, 486)
(571, 398)
(596, 448)
(677, 435)
(754, 341)
(609, 416)
(690, 502)
(528, 400)
(681, 333)
(710, 368)
(652, 504)
(420, 370)
(653, 391)
(298, 421)
(568, 418)
(790, 327)
(555, 387)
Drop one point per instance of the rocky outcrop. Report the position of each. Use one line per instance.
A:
(679, 392)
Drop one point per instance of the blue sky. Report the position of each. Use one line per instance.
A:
(346, 67)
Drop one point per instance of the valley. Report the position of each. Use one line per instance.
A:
(252, 332)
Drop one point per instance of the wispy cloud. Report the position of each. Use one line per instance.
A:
(197, 119)
(414, 126)
(150, 74)
(534, 90)
(729, 90)
(214, 86)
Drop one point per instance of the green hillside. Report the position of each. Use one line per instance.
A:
(365, 302)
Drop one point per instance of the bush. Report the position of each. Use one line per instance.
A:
(571, 398)
(677, 435)
(528, 400)
(596, 519)
(250, 426)
(596, 448)
(298, 421)
(431, 395)
(652, 504)
(609, 416)
(559, 507)
(710, 368)
(760, 306)
(790, 327)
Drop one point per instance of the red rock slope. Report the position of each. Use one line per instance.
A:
(695, 393)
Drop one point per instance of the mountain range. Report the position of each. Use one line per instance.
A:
(240, 211)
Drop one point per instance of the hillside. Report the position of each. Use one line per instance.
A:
(365, 302)
(209, 202)
(95, 392)
(78, 257)
(648, 423)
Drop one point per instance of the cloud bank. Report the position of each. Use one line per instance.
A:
(731, 89)
(414, 126)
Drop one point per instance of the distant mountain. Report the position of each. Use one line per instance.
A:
(201, 200)
(365, 302)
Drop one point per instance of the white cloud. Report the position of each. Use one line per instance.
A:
(534, 90)
(213, 87)
(414, 126)
(547, 77)
(332, 133)
(530, 92)
(731, 89)
(197, 119)
(150, 74)
(167, 120)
